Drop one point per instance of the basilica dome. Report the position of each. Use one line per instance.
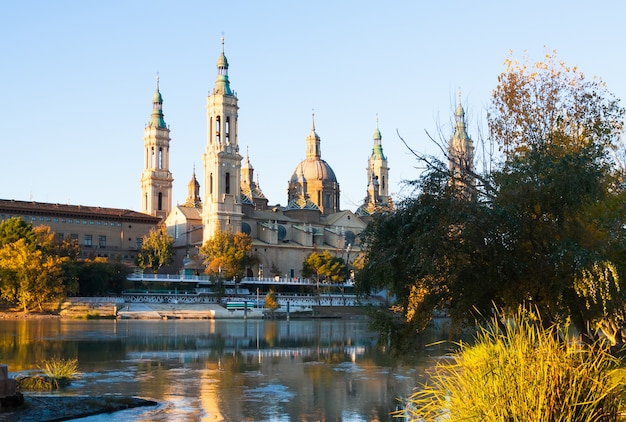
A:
(314, 169)
(313, 180)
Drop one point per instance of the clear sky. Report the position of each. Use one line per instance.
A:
(77, 79)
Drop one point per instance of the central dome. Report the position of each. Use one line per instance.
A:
(313, 180)
(314, 169)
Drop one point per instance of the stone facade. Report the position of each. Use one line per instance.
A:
(110, 233)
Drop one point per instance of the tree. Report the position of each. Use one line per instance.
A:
(271, 302)
(30, 277)
(324, 267)
(14, 229)
(157, 250)
(228, 255)
(538, 227)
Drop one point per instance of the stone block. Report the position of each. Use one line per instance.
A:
(4, 372)
(7, 388)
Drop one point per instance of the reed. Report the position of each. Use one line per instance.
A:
(517, 370)
(56, 373)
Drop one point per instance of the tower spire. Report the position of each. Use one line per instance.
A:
(461, 150)
(156, 118)
(222, 161)
(156, 178)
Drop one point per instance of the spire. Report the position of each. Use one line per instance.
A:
(461, 149)
(193, 191)
(460, 130)
(313, 141)
(222, 84)
(156, 118)
(377, 150)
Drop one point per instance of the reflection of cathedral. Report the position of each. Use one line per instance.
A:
(232, 201)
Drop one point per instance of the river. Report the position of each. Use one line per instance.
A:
(222, 370)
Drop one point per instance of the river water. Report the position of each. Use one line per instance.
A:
(222, 370)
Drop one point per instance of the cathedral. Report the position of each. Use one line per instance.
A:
(231, 200)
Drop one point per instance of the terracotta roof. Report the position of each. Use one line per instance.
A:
(65, 210)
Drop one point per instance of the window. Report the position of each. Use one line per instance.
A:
(217, 129)
(160, 203)
(88, 240)
(74, 237)
(227, 183)
(102, 241)
(227, 130)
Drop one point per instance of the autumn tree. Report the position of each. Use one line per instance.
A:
(271, 302)
(31, 273)
(157, 250)
(228, 255)
(543, 228)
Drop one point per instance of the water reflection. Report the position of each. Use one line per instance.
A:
(222, 370)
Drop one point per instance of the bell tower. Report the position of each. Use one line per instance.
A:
(377, 172)
(461, 153)
(222, 161)
(156, 179)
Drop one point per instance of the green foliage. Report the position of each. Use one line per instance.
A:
(324, 266)
(14, 229)
(157, 250)
(520, 371)
(543, 227)
(100, 277)
(227, 255)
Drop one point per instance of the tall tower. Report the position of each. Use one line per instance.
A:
(461, 151)
(222, 161)
(378, 172)
(156, 179)
(377, 199)
(193, 192)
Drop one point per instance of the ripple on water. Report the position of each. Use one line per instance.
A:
(274, 393)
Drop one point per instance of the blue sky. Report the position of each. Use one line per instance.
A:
(77, 79)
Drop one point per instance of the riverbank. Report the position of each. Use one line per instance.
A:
(164, 311)
(54, 408)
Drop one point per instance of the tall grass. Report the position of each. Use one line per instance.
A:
(517, 370)
(56, 373)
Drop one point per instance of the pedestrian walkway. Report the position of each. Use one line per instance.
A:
(183, 311)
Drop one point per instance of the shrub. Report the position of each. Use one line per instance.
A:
(517, 370)
(57, 373)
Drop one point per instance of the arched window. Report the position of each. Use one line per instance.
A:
(211, 184)
(218, 129)
(227, 183)
(160, 202)
(227, 129)
(160, 158)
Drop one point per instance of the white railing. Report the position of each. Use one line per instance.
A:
(188, 278)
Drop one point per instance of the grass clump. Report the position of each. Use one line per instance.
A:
(517, 370)
(56, 373)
